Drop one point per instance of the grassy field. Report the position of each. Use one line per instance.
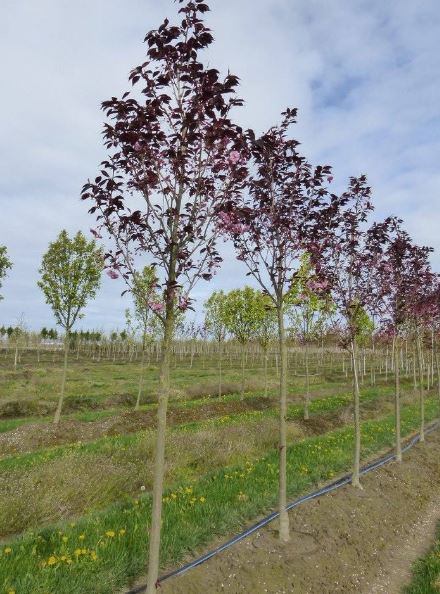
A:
(101, 551)
(75, 499)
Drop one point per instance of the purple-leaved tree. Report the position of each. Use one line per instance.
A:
(175, 160)
(271, 226)
(348, 260)
(403, 267)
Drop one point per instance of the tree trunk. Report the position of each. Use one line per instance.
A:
(307, 398)
(57, 416)
(159, 463)
(397, 400)
(421, 388)
(265, 373)
(141, 378)
(242, 372)
(220, 357)
(357, 421)
(284, 516)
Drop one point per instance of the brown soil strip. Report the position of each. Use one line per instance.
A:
(350, 541)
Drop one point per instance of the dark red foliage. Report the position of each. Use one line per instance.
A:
(172, 157)
(286, 209)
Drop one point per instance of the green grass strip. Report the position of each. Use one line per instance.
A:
(104, 550)
(426, 572)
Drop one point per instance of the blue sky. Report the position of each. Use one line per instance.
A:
(365, 76)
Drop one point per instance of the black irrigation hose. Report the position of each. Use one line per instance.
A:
(341, 482)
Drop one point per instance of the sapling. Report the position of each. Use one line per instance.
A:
(175, 156)
(70, 277)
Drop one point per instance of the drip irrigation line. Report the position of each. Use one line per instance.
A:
(337, 484)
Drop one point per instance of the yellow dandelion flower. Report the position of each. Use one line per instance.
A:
(173, 495)
(72, 524)
(81, 536)
(83, 551)
(122, 531)
(202, 499)
(110, 533)
(93, 555)
(77, 552)
(7, 551)
(52, 560)
(11, 592)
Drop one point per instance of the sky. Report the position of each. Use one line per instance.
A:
(364, 75)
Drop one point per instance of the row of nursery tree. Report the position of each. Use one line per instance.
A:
(180, 175)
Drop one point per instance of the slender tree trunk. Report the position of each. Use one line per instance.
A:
(220, 370)
(397, 400)
(141, 378)
(242, 372)
(357, 421)
(159, 463)
(421, 388)
(437, 368)
(265, 373)
(284, 532)
(307, 398)
(57, 416)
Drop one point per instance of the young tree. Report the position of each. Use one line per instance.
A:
(175, 156)
(5, 265)
(244, 310)
(144, 291)
(270, 229)
(215, 313)
(348, 260)
(402, 266)
(266, 331)
(70, 277)
(306, 312)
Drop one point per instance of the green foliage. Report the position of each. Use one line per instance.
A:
(308, 312)
(144, 293)
(244, 312)
(362, 323)
(5, 264)
(426, 572)
(215, 315)
(70, 276)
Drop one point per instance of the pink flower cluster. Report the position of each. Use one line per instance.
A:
(314, 285)
(234, 157)
(112, 273)
(155, 306)
(230, 224)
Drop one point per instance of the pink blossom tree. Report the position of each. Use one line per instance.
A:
(271, 225)
(348, 259)
(175, 159)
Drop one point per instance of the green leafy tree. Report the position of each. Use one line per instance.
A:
(266, 331)
(215, 315)
(307, 313)
(70, 277)
(5, 265)
(244, 310)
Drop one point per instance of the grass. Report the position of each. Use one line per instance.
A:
(103, 551)
(426, 572)
(98, 473)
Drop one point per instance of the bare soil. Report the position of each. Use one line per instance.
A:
(351, 541)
